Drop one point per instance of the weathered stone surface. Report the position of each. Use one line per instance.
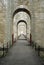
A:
(2, 23)
(35, 24)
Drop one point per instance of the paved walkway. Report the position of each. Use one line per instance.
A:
(21, 54)
(22, 37)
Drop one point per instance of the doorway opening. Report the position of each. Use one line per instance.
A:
(21, 15)
(22, 29)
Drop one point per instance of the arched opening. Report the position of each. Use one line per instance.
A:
(22, 27)
(24, 16)
(22, 10)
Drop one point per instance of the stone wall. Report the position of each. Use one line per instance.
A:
(5, 21)
(36, 8)
(39, 22)
(2, 22)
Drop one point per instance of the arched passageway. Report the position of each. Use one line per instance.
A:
(22, 15)
(22, 27)
(16, 19)
(22, 10)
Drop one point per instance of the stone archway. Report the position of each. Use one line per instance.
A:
(21, 10)
(22, 21)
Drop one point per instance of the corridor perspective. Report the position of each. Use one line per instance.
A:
(21, 54)
(21, 32)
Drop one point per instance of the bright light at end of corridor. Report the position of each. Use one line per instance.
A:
(21, 32)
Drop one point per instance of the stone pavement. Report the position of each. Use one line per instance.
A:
(22, 37)
(21, 54)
